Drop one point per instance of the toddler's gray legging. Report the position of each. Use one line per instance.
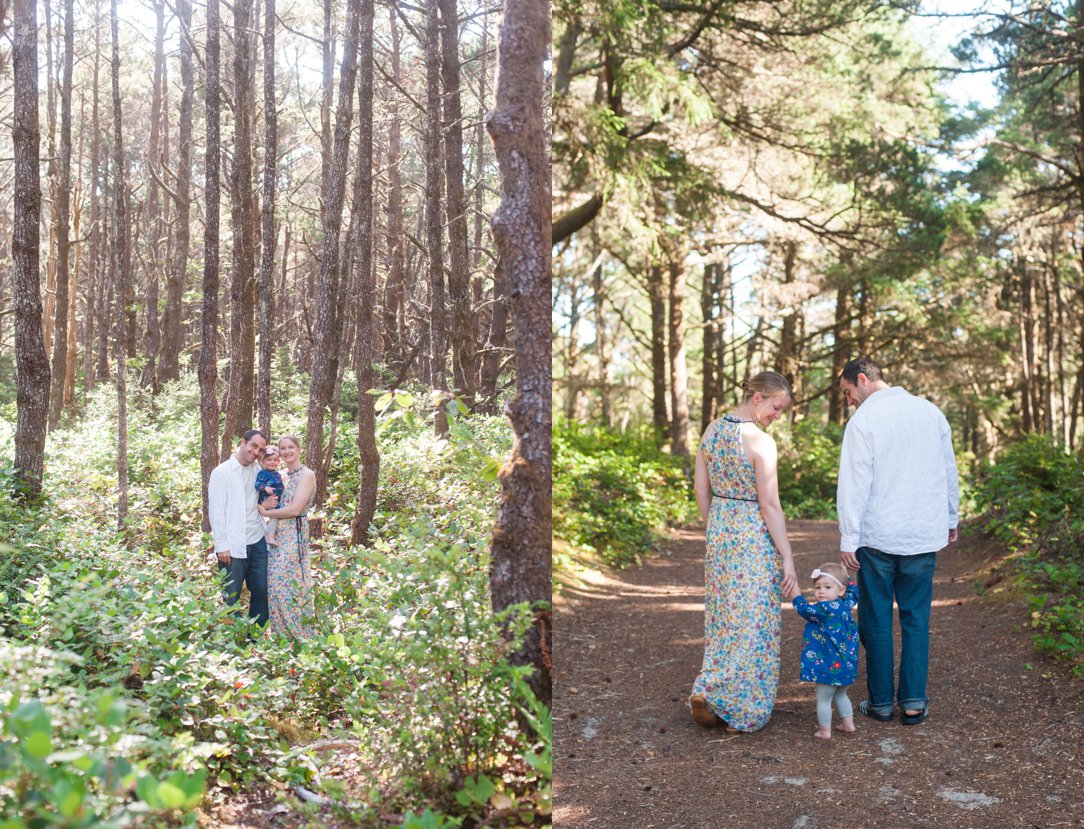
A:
(825, 696)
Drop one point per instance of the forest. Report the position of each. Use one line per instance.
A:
(748, 185)
(328, 222)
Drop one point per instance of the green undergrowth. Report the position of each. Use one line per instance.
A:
(615, 493)
(129, 696)
(1033, 499)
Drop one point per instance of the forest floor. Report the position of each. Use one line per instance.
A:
(1003, 745)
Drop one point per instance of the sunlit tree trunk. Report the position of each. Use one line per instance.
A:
(119, 265)
(656, 293)
(62, 213)
(326, 332)
(464, 349)
(438, 329)
(366, 336)
(172, 332)
(395, 307)
(208, 368)
(679, 376)
(32, 365)
(520, 553)
(240, 390)
(268, 233)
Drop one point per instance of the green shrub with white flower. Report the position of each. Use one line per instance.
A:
(129, 696)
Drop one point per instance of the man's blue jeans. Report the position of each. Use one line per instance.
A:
(909, 580)
(252, 572)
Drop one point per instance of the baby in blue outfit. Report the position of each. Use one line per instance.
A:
(830, 644)
(268, 483)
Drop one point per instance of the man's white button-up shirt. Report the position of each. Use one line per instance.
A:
(898, 486)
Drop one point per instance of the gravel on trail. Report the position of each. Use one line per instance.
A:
(1003, 745)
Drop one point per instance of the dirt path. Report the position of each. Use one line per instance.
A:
(1003, 747)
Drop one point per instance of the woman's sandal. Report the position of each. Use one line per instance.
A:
(866, 707)
(703, 715)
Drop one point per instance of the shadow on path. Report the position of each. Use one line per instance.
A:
(1003, 747)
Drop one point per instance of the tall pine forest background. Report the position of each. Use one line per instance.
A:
(747, 185)
(326, 220)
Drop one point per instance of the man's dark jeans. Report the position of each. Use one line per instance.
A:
(252, 572)
(909, 581)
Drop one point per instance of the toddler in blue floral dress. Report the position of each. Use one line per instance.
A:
(268, 483)
(830, 643)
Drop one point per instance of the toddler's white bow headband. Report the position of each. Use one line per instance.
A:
(816, 574)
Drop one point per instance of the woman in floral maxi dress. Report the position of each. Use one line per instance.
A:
(748, 561)
(289, 577)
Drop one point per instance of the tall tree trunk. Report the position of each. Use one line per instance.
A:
(240, 390)
(479, 201)
(368, 456)
(155, 219)
(725, 334)
(571, 356)
(93, 320)
(1029, 420)
(53, 174)
(326, 333)
(438, 336)
(679, 377)
(657, 295)
(395, 309)
(208, 355)
(32, 365)
(786, 361)
(464, 349)
(119, 265)
(709, 311)
(268, 233)
(172, 331)
(520, 569)
(62, 214)
(599, 296)
(840, 350)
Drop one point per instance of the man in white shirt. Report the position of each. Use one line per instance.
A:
(236, 526)
(897, 501)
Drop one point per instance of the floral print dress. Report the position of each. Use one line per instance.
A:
(289, 577)
(742, 580)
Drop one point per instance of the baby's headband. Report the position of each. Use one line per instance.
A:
(816, 574)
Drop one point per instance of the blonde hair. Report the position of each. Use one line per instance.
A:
(768, 383)
(837, 570)
(293, 439)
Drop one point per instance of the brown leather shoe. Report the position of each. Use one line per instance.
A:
(702, 713)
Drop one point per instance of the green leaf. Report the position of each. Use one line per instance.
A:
(170, 796)
(38, 744)
(383, 401)
(404, 399)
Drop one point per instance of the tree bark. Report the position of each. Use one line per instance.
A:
(840, 350)
(32, 365)
(709, 305)
(155, 220)
(464, 349)
(268, 232)
(326, 332)
(94, 321)
(208, 356)
(438, 342)
(786, 362)
(520, 569)
(172, 332)
(240, 389)
(62, 215)
(365, 338)
(679, 376)
(657, 298)
(395, 308)
(119, 265)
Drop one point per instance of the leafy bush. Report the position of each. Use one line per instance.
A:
(1033, 498)
(613, 493)
(808, 468)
